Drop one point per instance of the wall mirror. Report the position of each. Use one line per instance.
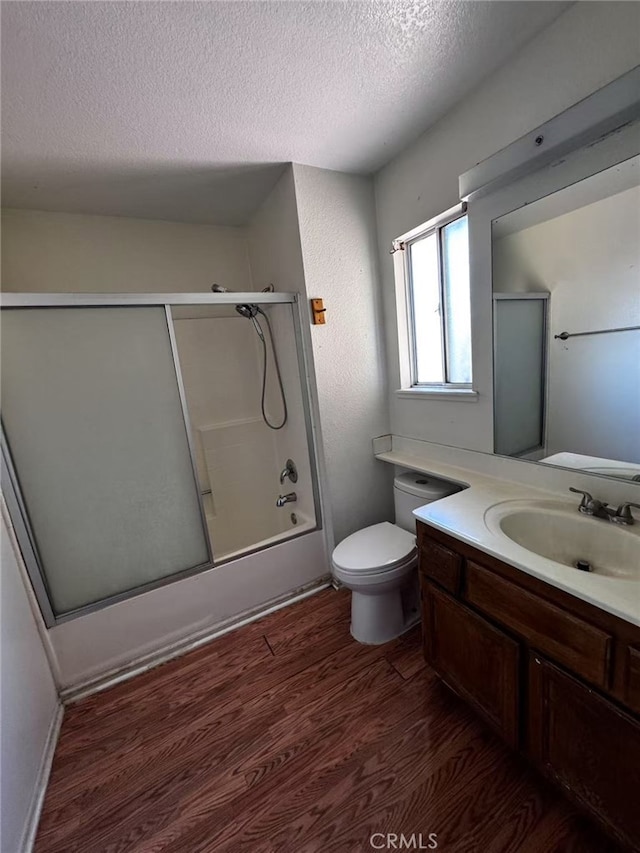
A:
(566, 314)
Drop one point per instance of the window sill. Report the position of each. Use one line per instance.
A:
(467, 395)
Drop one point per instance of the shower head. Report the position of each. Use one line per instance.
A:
(247, 310)
(250, 312)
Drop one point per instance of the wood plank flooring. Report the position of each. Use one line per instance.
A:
(287, 735)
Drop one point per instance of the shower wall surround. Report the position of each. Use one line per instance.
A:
(235, 453)
(239, 458)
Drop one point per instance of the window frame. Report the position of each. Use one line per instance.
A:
(403, 244)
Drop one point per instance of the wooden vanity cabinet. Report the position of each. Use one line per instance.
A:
(557, 678)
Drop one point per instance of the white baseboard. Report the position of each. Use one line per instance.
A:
(187, 644)
(31, 828)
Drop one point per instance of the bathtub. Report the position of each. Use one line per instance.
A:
(288, 530)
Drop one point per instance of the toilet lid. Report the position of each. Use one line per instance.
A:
(379, 546)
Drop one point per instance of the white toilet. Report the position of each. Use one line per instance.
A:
(379, 563)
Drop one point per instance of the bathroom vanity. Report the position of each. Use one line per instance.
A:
(556, 676)
(530, 597)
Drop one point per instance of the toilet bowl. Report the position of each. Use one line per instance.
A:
(379, 564)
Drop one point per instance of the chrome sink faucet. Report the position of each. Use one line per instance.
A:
(592, 506)
(598, 509)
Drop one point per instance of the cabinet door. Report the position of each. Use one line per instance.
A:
(588, 746)
(477, 660)
(633, 678)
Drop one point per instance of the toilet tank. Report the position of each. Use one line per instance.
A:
(412, 490)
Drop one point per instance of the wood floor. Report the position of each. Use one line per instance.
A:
(286, 735)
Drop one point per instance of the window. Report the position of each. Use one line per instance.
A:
(436, 284)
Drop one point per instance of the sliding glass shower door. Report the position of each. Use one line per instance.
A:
(135, 437)
(98, 449)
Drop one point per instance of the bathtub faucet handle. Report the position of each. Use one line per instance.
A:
(289, 471)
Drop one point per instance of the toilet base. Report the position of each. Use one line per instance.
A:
(378, 618)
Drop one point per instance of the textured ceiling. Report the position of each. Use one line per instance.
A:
(184, 110)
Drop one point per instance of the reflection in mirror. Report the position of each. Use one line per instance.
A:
(566, 287)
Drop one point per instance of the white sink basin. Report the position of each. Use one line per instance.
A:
(557, 531)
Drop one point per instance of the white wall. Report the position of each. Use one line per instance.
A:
(61, 252)
(337, 233)
(589, 260)
(584, 49)
(28, 704)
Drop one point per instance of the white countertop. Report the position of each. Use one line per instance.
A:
(462, 516)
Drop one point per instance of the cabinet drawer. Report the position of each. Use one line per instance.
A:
(568, 640)
(440, 564)
(476, 659)
(633, 677)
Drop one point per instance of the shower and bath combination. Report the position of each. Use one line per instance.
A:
(251, 311)
(176, 423)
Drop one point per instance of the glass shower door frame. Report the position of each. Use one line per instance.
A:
(539, 296)
(15, 503)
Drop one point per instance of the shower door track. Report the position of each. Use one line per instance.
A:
(10, 484)
(122, 300)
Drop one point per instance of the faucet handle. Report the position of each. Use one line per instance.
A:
(289, 471)
(590, 505)
(587, 499)
(623, 513)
